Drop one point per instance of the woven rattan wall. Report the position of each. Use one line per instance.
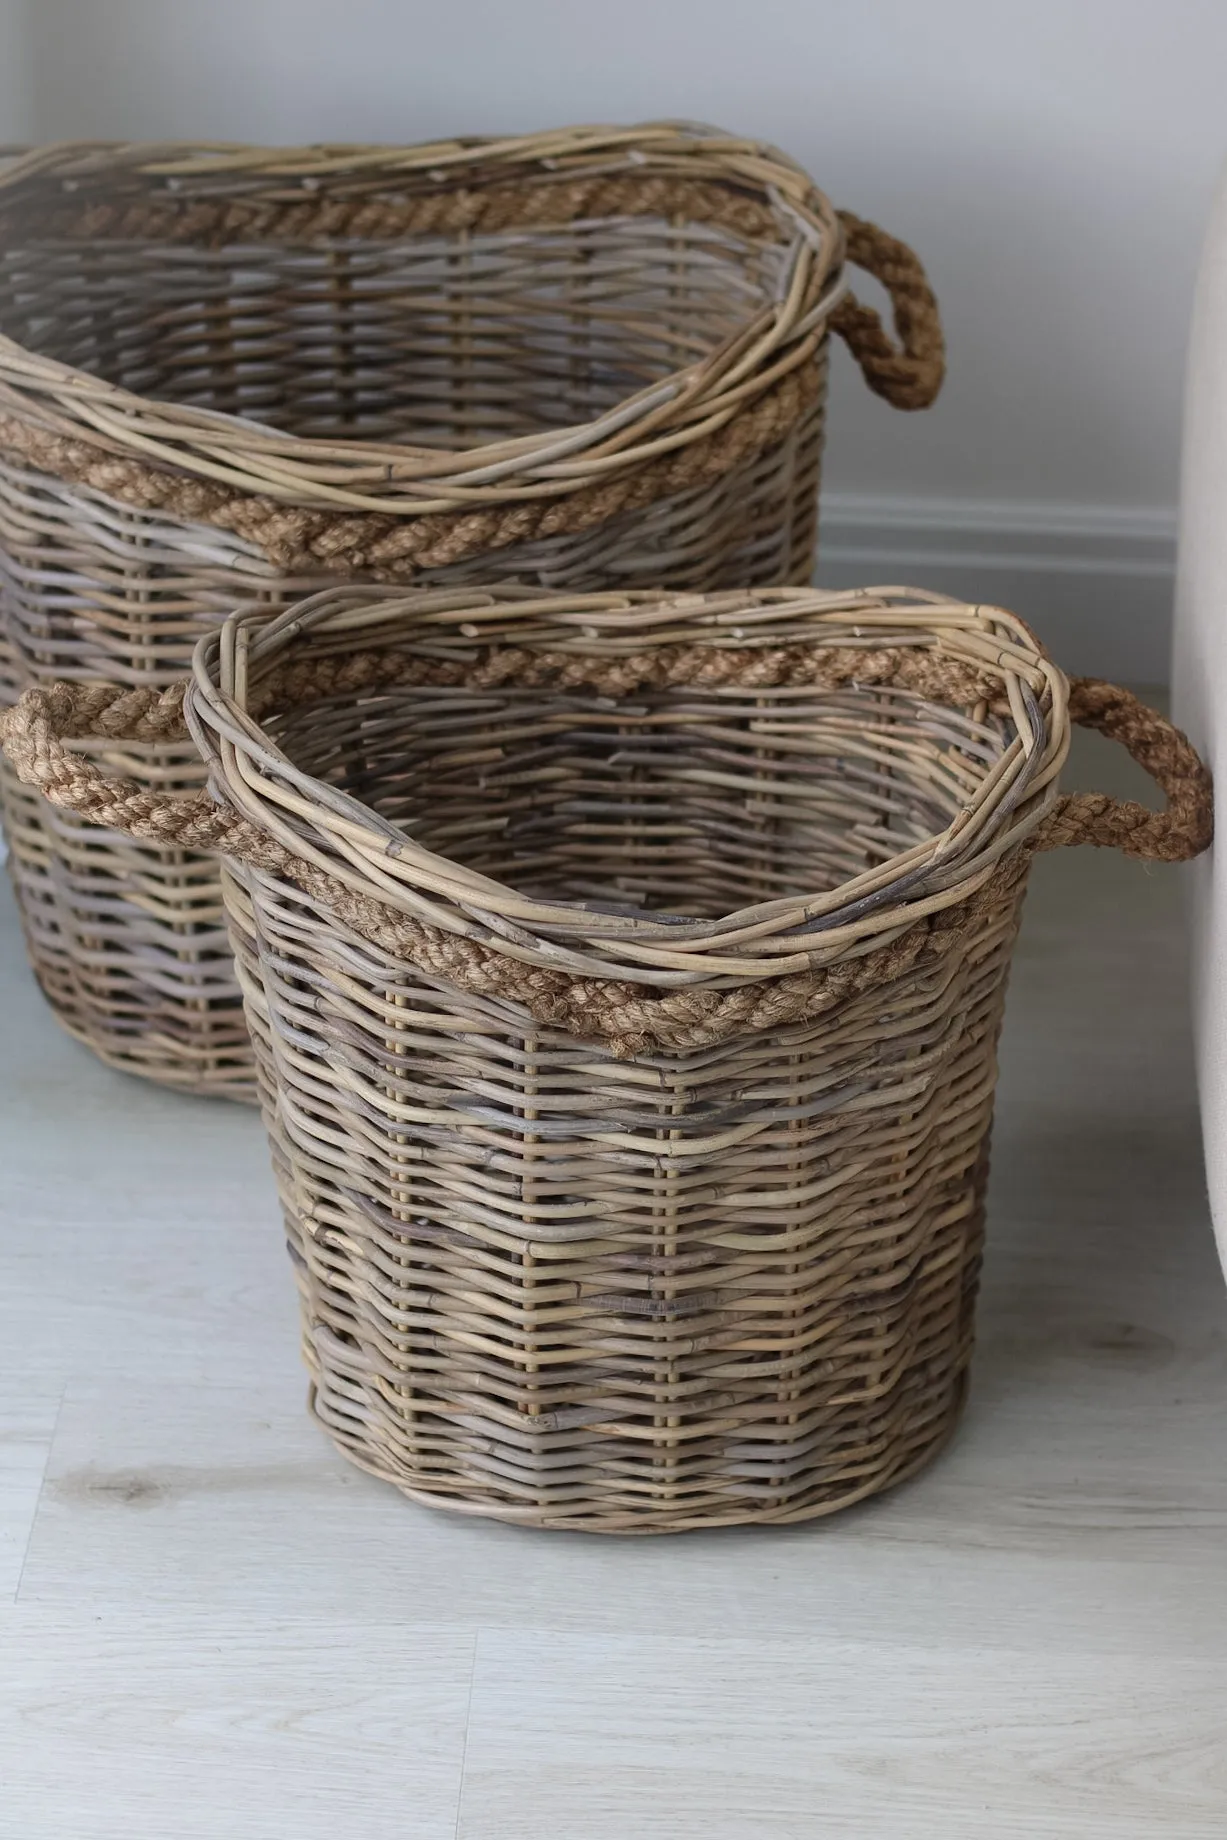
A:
(624, 974)
(573, 359)
(627, 1286)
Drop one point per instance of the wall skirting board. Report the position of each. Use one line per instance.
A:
(1095, 581)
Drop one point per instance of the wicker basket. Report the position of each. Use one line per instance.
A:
(588, 358)
(612, 1208)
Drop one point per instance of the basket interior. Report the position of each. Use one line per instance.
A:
(441, 341)
(666, 803)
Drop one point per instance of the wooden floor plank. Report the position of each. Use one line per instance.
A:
(27, 1424)
(190, 1725)
(736, 1740)
(215, 1612)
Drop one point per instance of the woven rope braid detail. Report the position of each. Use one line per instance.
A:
(212, 223)
(396, 547)
(397, 544)
(910, 377)
(589, 358)
(1183, 830)
(927, 673)
(619, 1011)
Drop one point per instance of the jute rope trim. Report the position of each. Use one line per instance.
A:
(701, 667)
(630, 1019)
(52, 421)
(908, 375)
(392, 548)
(1178, 833)
(534, 202)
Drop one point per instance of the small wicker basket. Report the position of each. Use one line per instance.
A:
(588, 358)
(625, 975)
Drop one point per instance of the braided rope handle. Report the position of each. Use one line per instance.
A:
(33, 734)
(909, 375)
(630, 1019)
(1183, 829)
(34, 731)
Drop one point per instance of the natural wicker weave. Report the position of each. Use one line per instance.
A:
(578, 359)
(613, 1208)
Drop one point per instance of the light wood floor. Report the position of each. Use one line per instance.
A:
(212, 1629)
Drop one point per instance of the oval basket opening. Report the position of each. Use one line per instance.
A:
(685, 803)
(441, 339)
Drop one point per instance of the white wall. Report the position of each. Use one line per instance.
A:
(1052, 161)
(16, 100)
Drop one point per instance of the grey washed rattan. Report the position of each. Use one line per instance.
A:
(625, 976)
(588, 358)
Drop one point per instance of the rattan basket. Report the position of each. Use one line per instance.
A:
(588, 358)
(625, 976)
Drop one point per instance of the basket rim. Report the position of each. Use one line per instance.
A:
(238, 664)
(400, 479)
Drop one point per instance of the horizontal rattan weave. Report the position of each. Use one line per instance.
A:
(586, 358)
(625, 974)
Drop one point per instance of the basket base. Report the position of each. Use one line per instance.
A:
(890, 1476)
(127, 949)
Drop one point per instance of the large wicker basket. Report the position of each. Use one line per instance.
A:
(588, 358)
(625, 975)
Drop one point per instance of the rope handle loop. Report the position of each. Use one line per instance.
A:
(909, 374)
(1183, 829)
(34, 733)
(618, 1011)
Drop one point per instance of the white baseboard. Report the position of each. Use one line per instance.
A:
(1095, 581)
